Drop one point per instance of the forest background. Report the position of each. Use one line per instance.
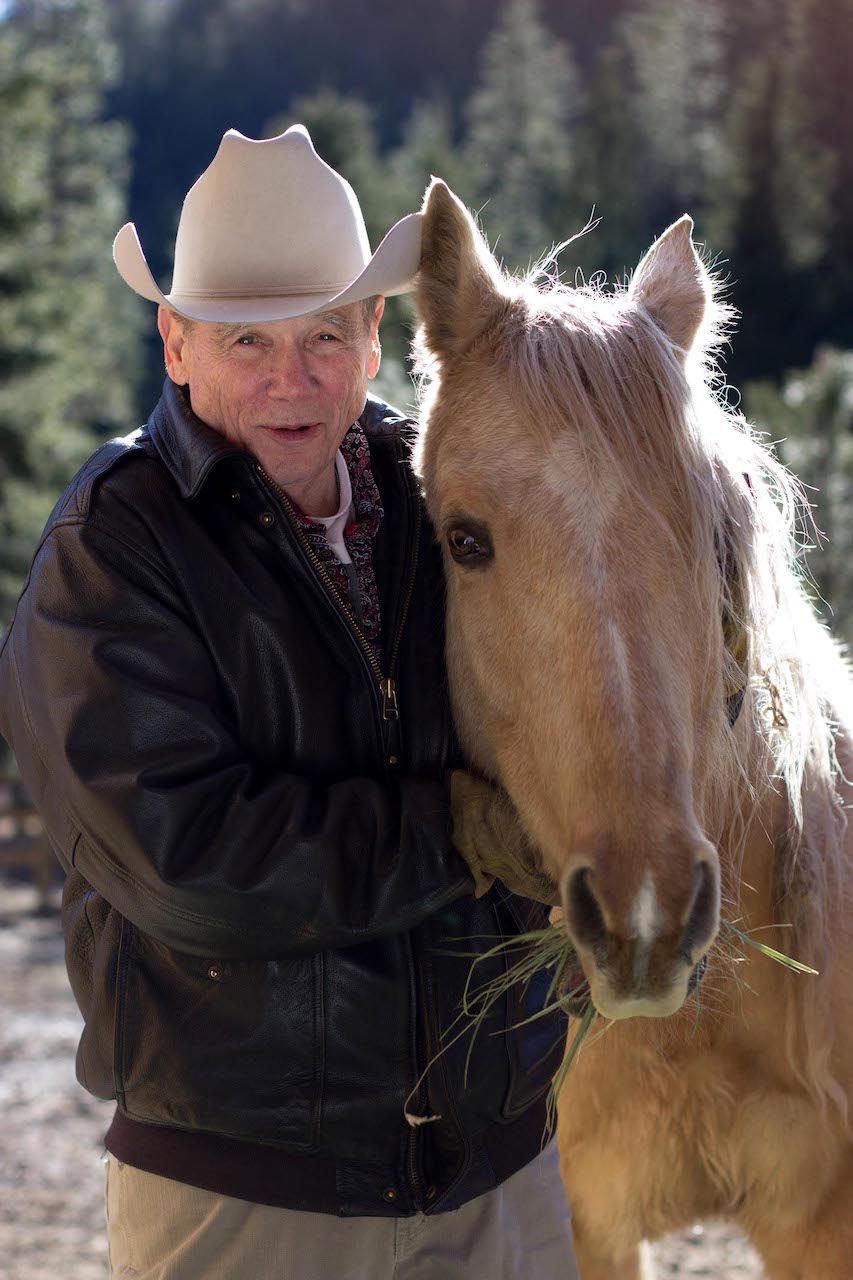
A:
(537, 114)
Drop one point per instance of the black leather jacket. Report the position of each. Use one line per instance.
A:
(263, 908)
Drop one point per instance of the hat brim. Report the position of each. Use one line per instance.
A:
(390, 271)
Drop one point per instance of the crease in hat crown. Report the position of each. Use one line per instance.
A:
(270, 231)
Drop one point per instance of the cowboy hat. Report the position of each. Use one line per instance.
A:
(269, 231)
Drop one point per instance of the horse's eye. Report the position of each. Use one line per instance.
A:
(467, 548)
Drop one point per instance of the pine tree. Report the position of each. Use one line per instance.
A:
(828, 87)
(611, 174)
(813, 415)
(776, 168)
(804, 177)
(677, 51)
(426, 149)
(518, 146)
(770, 212)
(68, 324)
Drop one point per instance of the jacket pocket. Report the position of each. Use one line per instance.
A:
(92, 932)
(227, 1046)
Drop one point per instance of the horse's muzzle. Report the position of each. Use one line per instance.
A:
(575, 994)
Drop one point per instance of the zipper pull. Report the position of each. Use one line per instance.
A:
(390, 710)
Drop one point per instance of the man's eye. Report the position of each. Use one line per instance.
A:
(247, 340)
(328, 337)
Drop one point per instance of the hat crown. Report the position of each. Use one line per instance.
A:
(297, 222)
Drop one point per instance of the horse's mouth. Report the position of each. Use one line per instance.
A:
(574, 990)
(575, 993)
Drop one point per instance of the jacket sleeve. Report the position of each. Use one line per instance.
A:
(114, 709)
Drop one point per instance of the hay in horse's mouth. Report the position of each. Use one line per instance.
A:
(568, 991)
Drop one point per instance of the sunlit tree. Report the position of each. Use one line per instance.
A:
(828, 86)
(68, 325)
(811, 415)
(426, 149)
(677, 52)
(775, 169)
(519, 141)
(611, 173)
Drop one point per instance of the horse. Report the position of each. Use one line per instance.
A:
(633, 655)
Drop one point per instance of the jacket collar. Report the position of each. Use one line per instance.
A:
(190, 448)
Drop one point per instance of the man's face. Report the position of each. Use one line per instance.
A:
(286, 391)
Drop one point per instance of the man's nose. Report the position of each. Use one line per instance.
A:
(289, 372)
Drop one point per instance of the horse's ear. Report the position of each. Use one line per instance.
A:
(673, 285)
(458, 292)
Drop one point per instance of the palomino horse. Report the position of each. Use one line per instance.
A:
(632, 657)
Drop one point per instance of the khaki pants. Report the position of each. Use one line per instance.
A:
(164, 1230)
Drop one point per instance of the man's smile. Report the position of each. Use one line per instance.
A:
(302, 431)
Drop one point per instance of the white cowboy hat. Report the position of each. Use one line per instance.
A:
(269, 231)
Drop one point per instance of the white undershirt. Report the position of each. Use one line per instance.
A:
(336, 524)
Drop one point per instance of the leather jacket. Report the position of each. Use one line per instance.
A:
(263, 909)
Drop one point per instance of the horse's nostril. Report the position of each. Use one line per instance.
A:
(584, 915)
(704, 914)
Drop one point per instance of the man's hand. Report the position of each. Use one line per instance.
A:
(489, 836)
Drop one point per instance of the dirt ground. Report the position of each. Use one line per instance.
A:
(51, 1217)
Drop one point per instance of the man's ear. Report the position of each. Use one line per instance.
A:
(375, 356)
(174, 343)
(459, 290)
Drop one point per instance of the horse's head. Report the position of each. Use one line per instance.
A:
(580, 513)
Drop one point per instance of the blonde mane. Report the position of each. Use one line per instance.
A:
(598, 360)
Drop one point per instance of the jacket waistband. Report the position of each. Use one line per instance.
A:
(270, 1175)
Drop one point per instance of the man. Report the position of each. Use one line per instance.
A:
(224, 684)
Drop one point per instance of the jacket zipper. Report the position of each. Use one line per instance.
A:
(390, 710)
(386, 683)
(414, 1176)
